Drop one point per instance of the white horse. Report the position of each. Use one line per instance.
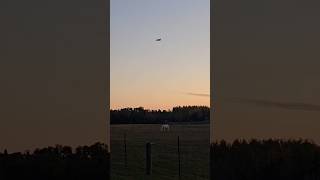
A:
(165, 128)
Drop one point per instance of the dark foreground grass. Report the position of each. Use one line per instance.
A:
(194, 140)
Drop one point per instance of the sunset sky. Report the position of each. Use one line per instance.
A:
(53, 66)
(160, 75)
(52, 73)
(266, 62)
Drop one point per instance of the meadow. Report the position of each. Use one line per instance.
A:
(194, 152)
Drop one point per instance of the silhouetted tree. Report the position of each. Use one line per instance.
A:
(265, 160)
(57, 163)
(177, 114)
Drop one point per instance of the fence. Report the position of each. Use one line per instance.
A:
(186, 157)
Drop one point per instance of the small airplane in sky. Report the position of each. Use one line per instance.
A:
(158, 39)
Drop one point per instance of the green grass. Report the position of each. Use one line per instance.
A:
(194, 140)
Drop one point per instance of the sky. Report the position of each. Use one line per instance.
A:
(159, 75)
(52, 73)
(266, 62)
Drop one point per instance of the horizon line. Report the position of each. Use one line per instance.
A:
(133, 107)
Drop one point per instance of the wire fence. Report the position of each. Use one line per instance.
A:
(181, 153)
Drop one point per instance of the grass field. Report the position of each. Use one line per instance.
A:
(194, 140)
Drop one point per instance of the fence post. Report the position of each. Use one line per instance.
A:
(179, 158)
(109, 165)
(148, 159)
(125, 150)
(211, 162)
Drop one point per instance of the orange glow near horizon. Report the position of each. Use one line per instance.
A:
(165, 105)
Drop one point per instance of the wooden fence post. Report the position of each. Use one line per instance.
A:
(148, 159)
(125, 150)
(179, 158)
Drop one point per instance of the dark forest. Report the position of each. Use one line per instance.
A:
(265, 160)
(176, 115)
(57, 163)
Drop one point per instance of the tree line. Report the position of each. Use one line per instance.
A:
(178, 114)
(57, 163)
(265, 160)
